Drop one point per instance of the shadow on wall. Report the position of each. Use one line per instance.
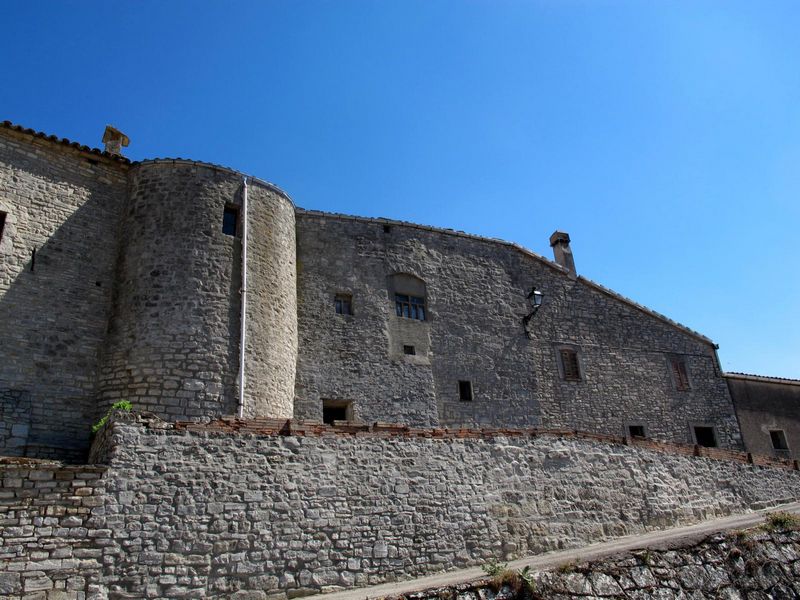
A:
(57, 256)
(172, 344)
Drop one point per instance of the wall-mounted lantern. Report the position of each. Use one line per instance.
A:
(535, 299)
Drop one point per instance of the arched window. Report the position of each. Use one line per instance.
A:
(409, 296)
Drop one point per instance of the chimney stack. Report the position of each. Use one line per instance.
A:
(559, 241)
(114, 140)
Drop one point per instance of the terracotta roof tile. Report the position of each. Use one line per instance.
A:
(63, 141)
(735, 375)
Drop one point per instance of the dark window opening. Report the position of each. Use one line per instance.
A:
(704, 436)
(636, 431)
(409, 350)
(569, 361)
(465, 391)
(410, 307)
(387, 229)
(230, 220)
(778, 438)
(679, 374)
(336, 410)
(343, 304)
(2, 224)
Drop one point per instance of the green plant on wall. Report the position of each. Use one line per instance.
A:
(121, 405)
(782, 521)
(520, 581)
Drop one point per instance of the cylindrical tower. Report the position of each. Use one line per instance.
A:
(173, 341)
(271, 341)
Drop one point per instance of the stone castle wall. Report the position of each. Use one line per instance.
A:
(135, 295)
(54, 307)
(173, 343)
(476, 300)
(206, 511)
(271, 347)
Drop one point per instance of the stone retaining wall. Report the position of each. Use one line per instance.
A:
(52, 534)
(754, 564)
(206, 511)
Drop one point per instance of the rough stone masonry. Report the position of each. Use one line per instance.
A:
(124, 281)
(756, 564)
(280, 509)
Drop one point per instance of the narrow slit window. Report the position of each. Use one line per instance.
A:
(636, 431)
(704, 436)
(2, 224)
(679, 374)
(230, 220)
(343, 304)
(569, 362)
(465, 391)
(778, 437)
(410, 350)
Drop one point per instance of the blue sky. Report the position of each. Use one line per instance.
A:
(663, 136)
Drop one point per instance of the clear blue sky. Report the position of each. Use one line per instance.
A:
(663, 136)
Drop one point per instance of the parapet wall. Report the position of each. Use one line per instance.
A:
(280, 509)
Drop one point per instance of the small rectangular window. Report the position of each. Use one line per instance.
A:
(636, 431)
(343, 303)
(409, 307)
(2, 224)
(465, 391)
(778, 438)
(569, 363)
(230, 220)
(336, 410)
(679, 373)
(704, 436)
(410, 350)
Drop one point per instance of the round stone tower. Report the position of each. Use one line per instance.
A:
(174, 339)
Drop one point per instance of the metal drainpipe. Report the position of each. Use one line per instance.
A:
(243, 320)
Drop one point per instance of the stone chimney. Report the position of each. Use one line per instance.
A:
(114, 140)
(559, 241)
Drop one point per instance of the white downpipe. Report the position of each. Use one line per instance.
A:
(243, 320)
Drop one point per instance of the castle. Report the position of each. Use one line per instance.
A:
(320, 401)
(125, 281)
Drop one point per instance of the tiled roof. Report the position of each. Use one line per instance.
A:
(63, 141)
(766, 378)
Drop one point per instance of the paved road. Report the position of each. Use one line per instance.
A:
(676, 536)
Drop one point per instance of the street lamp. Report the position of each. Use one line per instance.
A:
(535, 299)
